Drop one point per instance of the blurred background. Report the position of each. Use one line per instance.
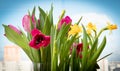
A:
(96, 11)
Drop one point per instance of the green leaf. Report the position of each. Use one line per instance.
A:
(90, 40)
(42, 20)
(35, 55)
(73, 60)
(63, 31)
(99, 50)
(47, 26)
(50, 16)
(85, 49)
(94, 47)
(18, 39)
(61, 16)
(54, 56)
(33, 12)
(79, 21)
(42, 12)
(42, 17)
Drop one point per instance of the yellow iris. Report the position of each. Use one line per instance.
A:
(91, 26)
(75, 29)
(111, 26)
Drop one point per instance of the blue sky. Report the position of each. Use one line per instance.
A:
(12, 11)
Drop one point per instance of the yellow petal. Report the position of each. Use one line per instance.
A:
(91, 26)
(75, 29)
(111, 26)
(89, 31)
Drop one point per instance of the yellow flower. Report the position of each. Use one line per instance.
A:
(89, 31)
(91, 26)
(75, 29)
(111, 26)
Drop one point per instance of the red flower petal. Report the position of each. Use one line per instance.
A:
(35, 31)
(38, 39)
(47, 41)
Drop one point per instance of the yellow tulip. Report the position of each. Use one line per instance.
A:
(75, 29)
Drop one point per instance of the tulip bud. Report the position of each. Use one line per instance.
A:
(67, 20)
(26, 23)
(15, 29)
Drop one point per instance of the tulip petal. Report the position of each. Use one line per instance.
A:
(35, 31)
(47, 41)
(26, 23)
(38, 39)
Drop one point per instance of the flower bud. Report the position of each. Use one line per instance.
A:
(15, 29)
(26, 23)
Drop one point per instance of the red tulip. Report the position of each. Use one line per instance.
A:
(15, 29)
(67, 20)
(38, 39)
(26, 23)
(80, 49)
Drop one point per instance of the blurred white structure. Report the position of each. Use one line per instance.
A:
(114, 65)
(103, 64)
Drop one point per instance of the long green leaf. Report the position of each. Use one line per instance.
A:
(33, 12)
(99, 50)
(85, 49)
(79, 21)
(47, 26)
(50, 16)
(42, 12)
(18, 39)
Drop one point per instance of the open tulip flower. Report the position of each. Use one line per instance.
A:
(57, 46)
(39, 39)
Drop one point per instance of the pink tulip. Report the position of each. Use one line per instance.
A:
(38, 39)
(67, 20)
(15, 29)
(26, 23)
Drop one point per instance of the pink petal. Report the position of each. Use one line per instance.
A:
(68, 20)
(26, 23)
(15, 29)
(47, 41)
(61, 23)
(33, 21)
(31, 43)
(35, 31)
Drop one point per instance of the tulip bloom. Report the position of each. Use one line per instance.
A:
(26, 23)
(39, 39)
(15, 29)
(67, 20)
(80, 49)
